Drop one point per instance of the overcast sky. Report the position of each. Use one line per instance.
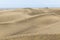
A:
(29, 3)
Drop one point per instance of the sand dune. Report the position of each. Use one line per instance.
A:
(23, 24)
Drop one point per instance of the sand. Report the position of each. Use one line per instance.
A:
(29, 24)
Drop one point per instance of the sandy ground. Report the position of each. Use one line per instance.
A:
(15, 24)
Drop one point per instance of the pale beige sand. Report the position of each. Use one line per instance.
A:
(29, 24)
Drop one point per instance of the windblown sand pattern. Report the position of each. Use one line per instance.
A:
(30, 24)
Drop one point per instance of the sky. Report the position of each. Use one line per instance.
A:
(29, 3)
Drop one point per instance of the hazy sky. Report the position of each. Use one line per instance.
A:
(29, 3)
